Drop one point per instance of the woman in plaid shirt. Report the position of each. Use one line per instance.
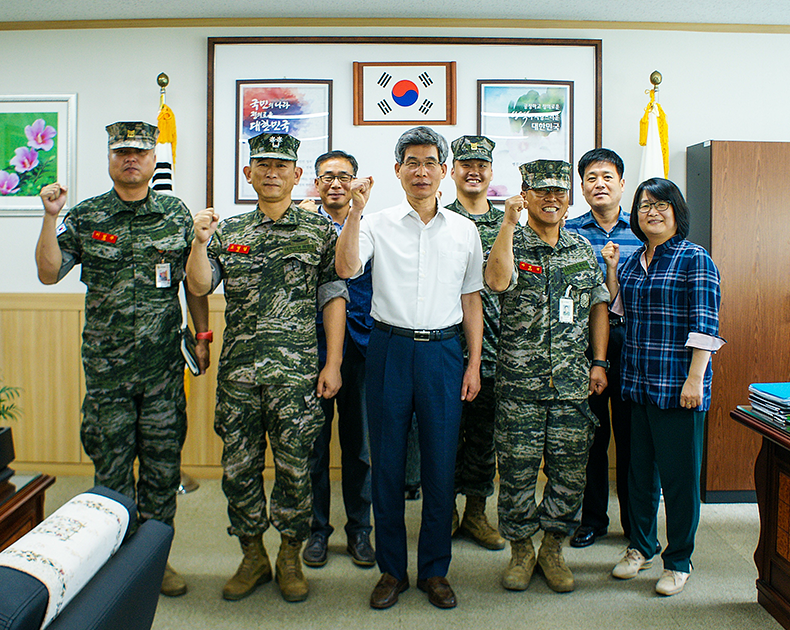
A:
(669, 294)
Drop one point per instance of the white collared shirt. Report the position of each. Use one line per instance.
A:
(420, 271)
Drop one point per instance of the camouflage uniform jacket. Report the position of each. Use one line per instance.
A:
(132, 327)
(276, 274)
(539, 357)
(488, 227)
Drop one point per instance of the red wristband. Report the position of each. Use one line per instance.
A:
(209, 335)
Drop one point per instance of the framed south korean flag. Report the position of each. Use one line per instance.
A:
(407, 93)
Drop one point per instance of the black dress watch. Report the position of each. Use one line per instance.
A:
(601, 363)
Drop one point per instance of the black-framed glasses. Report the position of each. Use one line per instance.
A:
(551, 190)
(661, 206)
(343, 178)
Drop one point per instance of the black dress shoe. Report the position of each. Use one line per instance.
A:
(586, 536)
(360, 550)
(314, 554)
(387, 590)
(439, 592)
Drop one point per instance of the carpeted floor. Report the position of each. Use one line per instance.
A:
(720, 593)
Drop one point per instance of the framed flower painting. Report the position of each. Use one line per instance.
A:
(37, 147)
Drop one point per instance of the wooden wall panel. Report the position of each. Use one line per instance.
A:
(40, 337)
(750, 208)
(40, 353)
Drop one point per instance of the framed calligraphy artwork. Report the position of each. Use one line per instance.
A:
(299, 107)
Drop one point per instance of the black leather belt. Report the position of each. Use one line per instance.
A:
(616, 320)
(419, 335)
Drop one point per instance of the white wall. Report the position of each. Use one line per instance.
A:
(719, 86)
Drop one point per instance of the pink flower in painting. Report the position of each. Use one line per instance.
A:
(40, 134)
(25, 159)
(9, 183)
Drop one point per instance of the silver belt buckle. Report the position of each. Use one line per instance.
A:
(422, 335)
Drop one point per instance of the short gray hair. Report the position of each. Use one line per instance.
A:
(420, 136)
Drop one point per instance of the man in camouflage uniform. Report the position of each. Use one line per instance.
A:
(277, 264)
(553, 301)
(132, 243)
(475, 464)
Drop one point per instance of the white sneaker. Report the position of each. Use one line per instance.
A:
(631, 564)
(671, 582)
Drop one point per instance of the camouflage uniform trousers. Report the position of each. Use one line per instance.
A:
(146, 421)
(558, 431)
(475, 462)
(291, 416)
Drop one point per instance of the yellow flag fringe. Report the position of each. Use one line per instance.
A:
(663, 129)
(166, 121)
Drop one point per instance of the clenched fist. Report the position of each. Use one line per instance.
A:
(206, 222)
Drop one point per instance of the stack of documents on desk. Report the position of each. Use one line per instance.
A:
(771, 402)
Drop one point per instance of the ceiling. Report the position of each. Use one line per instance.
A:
(769, 12)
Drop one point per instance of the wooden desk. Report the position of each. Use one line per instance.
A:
(772, 484)
(22, 507)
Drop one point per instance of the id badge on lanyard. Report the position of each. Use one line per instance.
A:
(566, 307)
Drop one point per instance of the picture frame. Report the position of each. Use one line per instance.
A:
(229, 59)
(299, 107)
(37, 147)
(404, 93)
(528, 120)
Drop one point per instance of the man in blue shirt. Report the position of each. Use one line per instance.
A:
(601, 171)
(334, 172)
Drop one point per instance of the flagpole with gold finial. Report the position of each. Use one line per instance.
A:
(167, 134)
(660, 120)
(163, 81)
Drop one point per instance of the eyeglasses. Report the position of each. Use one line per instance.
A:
(551, 190)
(414, 165)
(343, 178)
(661, 206)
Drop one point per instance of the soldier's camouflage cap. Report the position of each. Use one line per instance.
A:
(280, 146)
(473, 148)
(132, 135)
(546, 174)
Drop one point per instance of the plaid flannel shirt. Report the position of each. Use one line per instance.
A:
(677, 298)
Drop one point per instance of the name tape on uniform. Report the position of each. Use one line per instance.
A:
(532, 268)
(104, 237)
(233, 248)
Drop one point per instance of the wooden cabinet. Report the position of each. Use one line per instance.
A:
(739, 196)
(22, 506)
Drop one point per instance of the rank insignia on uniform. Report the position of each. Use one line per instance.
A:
(532, 268)
(104, 237)
(233, 248)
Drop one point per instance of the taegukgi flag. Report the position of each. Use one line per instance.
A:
(653, 136)
(405, 93)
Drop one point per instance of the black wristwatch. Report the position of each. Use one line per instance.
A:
(601, 363)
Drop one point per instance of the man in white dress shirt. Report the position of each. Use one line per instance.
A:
(427, 276)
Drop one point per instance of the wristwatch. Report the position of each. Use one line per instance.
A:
(601, 363)
(208, 335)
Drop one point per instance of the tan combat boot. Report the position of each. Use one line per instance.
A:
(550, 560)
(293, 584)
(475, 525)
(522, 564)
(173, 584)
(254, 569)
